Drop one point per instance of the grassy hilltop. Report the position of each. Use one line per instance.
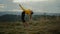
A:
(39, 25)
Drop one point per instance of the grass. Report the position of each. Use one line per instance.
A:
(41, 26)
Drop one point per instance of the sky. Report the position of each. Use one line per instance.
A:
(47, 6)
(28, 0)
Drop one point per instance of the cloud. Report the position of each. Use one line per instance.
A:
(14, 10)
(6, 5)
(2, 6)
(40, 6)
(28, 0)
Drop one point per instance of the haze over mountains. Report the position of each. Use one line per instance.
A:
(16, 16)
(35, 13)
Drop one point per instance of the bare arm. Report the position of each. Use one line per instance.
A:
(31, 15)
(21, 7)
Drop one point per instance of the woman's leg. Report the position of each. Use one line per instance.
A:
(23, 20)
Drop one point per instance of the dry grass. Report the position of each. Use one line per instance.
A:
(40, 26)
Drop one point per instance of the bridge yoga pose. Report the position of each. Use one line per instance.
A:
(25, 11)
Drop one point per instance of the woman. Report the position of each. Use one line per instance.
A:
(28, 12)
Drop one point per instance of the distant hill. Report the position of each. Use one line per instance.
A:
(19, 13)
(8, 12)
(10, 17)
(15, 17)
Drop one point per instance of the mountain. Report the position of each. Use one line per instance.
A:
(35, 13)
(10, 12)
(10, 17)
(13, 17)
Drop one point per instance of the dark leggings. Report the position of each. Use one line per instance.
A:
(23, 17)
